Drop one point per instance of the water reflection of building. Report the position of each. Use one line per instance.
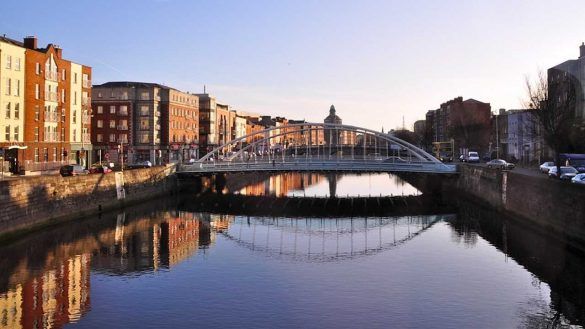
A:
(56, 296)
(147, 244)
(50, 286)
(281, 185)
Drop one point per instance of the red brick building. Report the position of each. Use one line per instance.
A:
(54, 109)
(467, 122)
(138, 121)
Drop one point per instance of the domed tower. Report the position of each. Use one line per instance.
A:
(332, 135)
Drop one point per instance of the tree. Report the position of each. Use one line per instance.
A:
(553, 102)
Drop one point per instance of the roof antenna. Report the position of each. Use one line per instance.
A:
(204, 89)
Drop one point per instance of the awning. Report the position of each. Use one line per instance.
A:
(17, 147)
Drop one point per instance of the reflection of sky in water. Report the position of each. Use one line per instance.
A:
(360, 185)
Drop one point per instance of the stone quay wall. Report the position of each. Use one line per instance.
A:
(555, 206)
(35, 201)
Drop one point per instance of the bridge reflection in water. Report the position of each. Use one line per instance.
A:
(326, 240)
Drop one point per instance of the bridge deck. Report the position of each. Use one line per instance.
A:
(317, 165)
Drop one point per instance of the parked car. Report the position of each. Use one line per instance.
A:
(72, 170)
(142, 164)
(500, 164)
(578, 179)
(566, 172)
(99, 169)
(545, 167)
(470, 157)
(446, 157)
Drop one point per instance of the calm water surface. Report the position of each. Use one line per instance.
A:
(158, 266)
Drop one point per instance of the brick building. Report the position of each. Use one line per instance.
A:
(45, 107)
(208, 137)
(137, 121)
(467, 122)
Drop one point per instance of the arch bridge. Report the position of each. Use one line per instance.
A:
(317, 147)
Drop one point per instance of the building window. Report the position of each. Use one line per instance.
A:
(75, 135)
(123, 110)
(144, 138)
(100, 109)
(99, 94)
(144, 124)
(74, 116)
(46, 154)
(112, 109)
(36, 134)
(17, 64)
(38, 68)
(8, 61)
(8, 86)
(37, 113)
(123, 124)
(17, 111)
(112, 123)
(55, 154)
(100, 138)
(37, 91)
(8, 106)
(113, 138)
(123, 138)
(144, 96)
(17, 87)
(36, 155)
(100, 123)
(7, 133)
(75, 98)
(63, 75)
(63, 134)
(144, 110)
(63, 96)
(16, 133)
(75, 78)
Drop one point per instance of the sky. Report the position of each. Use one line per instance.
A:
(379, 62)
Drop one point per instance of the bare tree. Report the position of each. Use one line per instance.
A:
(553, 109)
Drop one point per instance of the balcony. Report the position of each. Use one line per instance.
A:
(86, 83)
(51, 75)
(51, 96)
(122, 127)
(85, 100)
(51, 117)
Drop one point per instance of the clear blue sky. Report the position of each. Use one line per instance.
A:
(377, 61)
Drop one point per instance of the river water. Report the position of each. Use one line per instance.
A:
(159, 265)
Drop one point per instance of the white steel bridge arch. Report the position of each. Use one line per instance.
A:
(389, 152)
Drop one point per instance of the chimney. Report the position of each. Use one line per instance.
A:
(59, 51)
(30, 42)
(582, 50)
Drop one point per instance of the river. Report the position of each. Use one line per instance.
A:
(162, 264)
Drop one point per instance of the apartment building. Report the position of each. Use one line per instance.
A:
(44, 107)
(139, 121)
(12, 77)
(467, 123)
(208, 137)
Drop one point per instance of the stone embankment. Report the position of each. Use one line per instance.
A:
(555, 206)
(32, 202)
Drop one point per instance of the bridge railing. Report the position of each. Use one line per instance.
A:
(316, 165)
